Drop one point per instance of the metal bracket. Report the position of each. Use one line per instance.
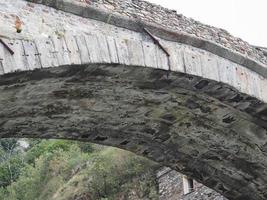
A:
(7, 47)
(157, 42)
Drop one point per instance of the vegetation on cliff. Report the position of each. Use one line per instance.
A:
(66, 170)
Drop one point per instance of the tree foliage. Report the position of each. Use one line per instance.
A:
(11, 161)
(67, 170)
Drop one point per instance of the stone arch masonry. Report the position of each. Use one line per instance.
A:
(122, 42)
(202, 110)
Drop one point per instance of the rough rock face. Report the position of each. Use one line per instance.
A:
(202, 115)
(178, 120)
(171, 187)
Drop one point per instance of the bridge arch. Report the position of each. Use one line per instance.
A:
(186, 122)
(185, 102)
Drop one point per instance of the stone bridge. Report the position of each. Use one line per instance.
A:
(134, 75)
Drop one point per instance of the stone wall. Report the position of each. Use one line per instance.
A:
(171, 187)
(53, 38)
(170, 184)
(145, 11)
(132, 21)
(176, 121)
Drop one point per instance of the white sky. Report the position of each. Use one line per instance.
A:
(246, 19)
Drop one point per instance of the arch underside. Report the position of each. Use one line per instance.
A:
(202, 128)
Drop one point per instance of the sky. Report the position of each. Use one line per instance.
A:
(246, 19)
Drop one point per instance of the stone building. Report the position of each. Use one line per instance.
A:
(170, 185)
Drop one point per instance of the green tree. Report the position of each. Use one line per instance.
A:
(11, 161)
(68, 170)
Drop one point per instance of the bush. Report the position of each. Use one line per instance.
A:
(65, 170)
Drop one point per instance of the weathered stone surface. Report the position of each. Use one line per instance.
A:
(85, 49)
(42, 21)
(170, 185)
(84, 41)
(130, 14)
(208, 122)
(153, 13)
(194, 125)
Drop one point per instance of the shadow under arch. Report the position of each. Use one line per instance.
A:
(202, 128)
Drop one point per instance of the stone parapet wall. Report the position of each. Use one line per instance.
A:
(149, 12)
(119, 19)
(127, 15)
